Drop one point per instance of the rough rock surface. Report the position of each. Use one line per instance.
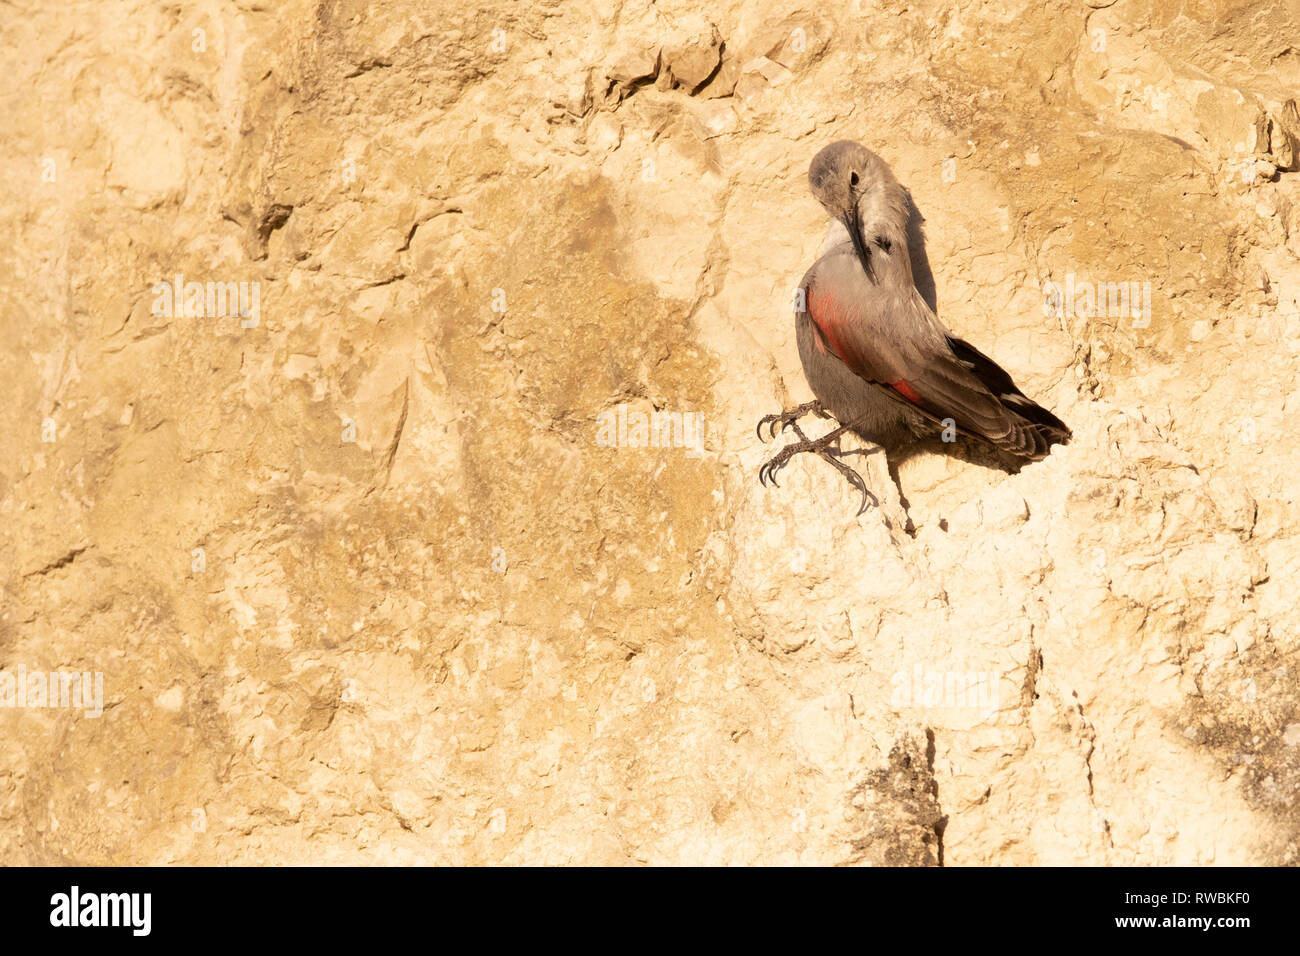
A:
(375, 572)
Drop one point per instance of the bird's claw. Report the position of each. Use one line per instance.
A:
(781, 419)
(767, 472)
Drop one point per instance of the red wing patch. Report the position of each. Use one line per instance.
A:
(828, 316)
(906, 390)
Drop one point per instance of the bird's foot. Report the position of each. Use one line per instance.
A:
(780, 420)
(818, 447)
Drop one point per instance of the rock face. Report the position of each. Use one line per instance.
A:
(381, 386)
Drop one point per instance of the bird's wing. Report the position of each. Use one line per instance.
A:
(997, 381)
(887, 335)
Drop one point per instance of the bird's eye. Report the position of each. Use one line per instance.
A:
(853, 179)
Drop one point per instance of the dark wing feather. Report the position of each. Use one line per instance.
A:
(997, 381)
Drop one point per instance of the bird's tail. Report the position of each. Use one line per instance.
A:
(1043, 428)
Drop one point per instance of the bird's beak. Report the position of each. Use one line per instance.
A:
(850, 219)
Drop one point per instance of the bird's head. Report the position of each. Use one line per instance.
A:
(840, 176)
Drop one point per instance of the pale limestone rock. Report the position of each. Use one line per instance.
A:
(692, 53)
(1287, 134)
(365, 584)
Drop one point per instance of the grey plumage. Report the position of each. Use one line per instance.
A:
(874, 352)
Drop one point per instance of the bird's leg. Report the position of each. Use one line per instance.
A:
(818, 447)
(782, 419)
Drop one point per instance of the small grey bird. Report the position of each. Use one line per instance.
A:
(876, 356)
